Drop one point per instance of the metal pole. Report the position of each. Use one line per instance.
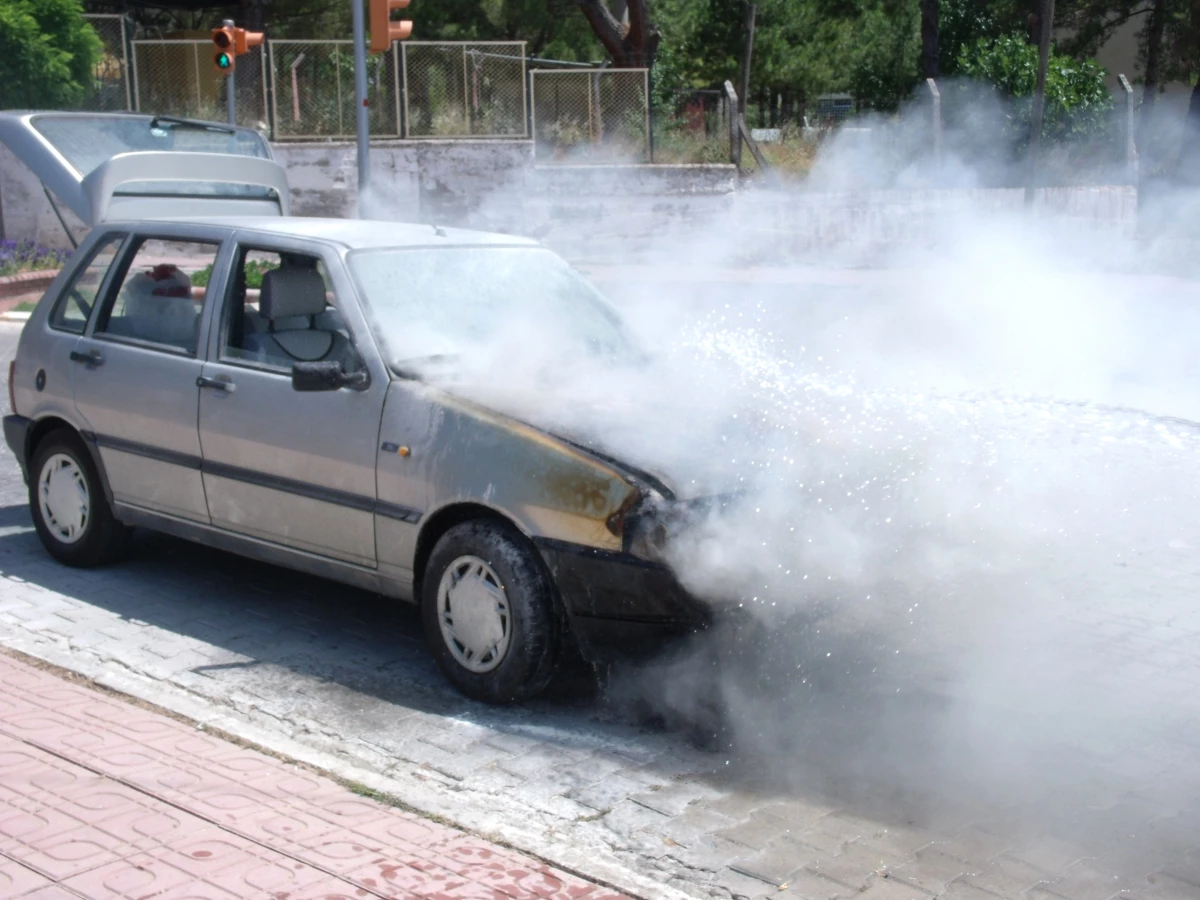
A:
(1131, 161)
(937, 120)
(735, 137)
(1039, 97)
(230, 101)
(360, 102)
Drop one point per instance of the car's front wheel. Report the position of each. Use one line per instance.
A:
(71, 515)
(489, 613)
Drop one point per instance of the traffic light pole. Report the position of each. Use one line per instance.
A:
(230, 108)
(360, 103)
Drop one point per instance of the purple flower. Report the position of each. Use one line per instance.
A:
(27, 256)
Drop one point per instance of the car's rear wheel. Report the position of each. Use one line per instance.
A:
(489, 613)
(71, 515)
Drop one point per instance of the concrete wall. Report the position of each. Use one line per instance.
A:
(490, 185)
(605, 214)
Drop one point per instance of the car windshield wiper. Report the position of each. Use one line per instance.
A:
(192, 123)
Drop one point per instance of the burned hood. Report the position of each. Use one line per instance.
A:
(106, 166)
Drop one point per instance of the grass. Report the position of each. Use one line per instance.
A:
(24, 306)
(792, 157)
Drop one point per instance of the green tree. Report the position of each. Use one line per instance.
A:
(49, 54)
(1078, 104)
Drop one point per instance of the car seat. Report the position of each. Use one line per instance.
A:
(292, 304)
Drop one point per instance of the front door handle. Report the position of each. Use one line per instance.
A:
(217, 384)
(90, 357)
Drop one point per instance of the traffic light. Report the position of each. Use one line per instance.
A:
(223, 54)
(243, 40)
(229, 43)
(383, 29)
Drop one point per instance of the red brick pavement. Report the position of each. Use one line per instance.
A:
(103, 799)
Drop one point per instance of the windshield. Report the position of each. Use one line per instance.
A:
(432, 303)
(89, 141)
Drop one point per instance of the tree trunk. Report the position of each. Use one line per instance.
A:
(929, 39)
(630, 45)
(1154, 40)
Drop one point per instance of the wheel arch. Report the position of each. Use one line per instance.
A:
(46, 425)
(442, 520)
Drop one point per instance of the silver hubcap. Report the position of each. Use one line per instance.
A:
(63, 497)
(473, 613)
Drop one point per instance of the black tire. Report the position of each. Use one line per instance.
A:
(531, 653)
(101, 538)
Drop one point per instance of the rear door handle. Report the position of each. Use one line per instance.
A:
(90, 357)
(217, 384)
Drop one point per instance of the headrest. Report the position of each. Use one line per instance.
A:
(291, 292)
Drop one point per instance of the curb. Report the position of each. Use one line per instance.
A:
(13, 315)
(26, 283)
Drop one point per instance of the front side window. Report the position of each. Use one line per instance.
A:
(158, 301)
(281, 310)
(74, 306)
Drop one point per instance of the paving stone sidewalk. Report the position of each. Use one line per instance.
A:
(102, 799)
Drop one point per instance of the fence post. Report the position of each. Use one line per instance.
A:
(126, 42)
(137, 97)
(1131, 158)
(936, 121)
(735, 137)
(526, 87)
(404, 67)
(650, 111)
(466, 91)
(267, 57)
(396, 81)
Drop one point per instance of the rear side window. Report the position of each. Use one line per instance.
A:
(74, 306)
(161, 296)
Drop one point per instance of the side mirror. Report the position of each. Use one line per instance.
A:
(326, 376)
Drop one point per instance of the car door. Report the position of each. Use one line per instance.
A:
(136, 369)
(294, 468)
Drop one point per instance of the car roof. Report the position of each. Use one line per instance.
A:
(352, 234)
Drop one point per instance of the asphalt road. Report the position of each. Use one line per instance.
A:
(1013, 718)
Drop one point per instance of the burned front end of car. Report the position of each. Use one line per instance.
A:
(629, 603)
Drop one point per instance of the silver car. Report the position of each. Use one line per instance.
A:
(248, 382)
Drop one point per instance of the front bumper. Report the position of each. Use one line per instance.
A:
(618, 605)
(16, 431)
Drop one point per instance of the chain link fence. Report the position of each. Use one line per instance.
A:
(176, 77)
(110, 88)
(464, 89)
(313, 90)
(593, 115)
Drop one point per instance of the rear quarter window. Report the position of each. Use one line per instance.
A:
(74, 305)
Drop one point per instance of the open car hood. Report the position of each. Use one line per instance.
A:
(105, 167)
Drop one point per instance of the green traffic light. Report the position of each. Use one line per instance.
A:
(224, 61)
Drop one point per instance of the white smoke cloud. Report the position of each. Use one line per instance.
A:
(953, 472)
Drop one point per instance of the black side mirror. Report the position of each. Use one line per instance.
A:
(326, 376)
